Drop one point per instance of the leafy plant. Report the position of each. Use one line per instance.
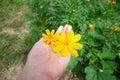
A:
(99, 59)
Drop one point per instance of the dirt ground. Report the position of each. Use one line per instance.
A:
(21, 31)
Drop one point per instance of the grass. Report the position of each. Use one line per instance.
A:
(14, 24)
(12, 48)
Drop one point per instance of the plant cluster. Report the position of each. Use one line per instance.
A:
(93, 19)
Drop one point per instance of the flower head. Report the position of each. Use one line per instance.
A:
(87, 0)
(109, 1)
(49, 37)
(114, 28)
(114, 3)
(68, 43)
(90, 26)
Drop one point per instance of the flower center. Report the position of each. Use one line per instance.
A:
(66, 42)
(50, 36)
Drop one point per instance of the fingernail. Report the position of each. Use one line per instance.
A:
(59, 29)
(69, 28)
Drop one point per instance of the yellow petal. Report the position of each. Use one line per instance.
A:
(52, 32)
(44, 35)
(77, 37)
(73, 52)
(56, 43)
(70, 35)
(64, 52)
(44, 39)
(48, 41)
(56, 37)
(47, 31)
(76, 45)
(58, 48)
(62, 36)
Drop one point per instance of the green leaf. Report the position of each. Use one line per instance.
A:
(109, 65)
(101, 5)
(79, 68)
(100, 38)
(106, 54)
(93, 74)
(94, 38)
(105, 75)
(73, 62)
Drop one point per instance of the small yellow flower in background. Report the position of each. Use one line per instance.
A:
(67, 43)
(114, 28)
(87, 0)
(49, 37)
(109, 1)
(90, 26)
(114, 2)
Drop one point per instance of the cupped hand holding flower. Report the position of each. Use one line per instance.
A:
(43, 63)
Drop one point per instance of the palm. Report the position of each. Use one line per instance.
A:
(43, 59)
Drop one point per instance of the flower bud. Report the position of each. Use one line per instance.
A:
(90, 26)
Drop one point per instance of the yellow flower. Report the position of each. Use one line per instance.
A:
(67, 43)
(114, 2)
(87, 0)
(49, 37)
(109, 1)
(114, 28)
(90, 26)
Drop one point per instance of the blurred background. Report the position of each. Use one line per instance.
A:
(98, 21)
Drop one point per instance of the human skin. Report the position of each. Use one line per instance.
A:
(42, 63)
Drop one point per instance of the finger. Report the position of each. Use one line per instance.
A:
(67, 28)
(59, 29)
(64, 60)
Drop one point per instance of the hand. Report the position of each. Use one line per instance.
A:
(43, 63)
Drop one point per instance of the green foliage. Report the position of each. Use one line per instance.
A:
(99, 59)
(93, 74)
(73, 62)
(106, 54)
